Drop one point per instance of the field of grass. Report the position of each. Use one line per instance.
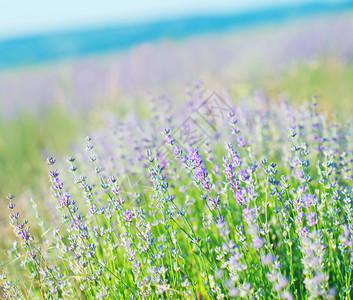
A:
(26, 140)
(256, 205)
(245, 195)
(330, 79)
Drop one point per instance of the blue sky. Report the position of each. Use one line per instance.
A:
(18, 18)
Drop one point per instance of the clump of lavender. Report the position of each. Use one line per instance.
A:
(253, 202)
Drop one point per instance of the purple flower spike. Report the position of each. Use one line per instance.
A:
(51, 161)
(241, 142)
(177, 151)
(169, 139)
(129, 215)
(32, 254)
(195, 158)
(54, 173)
(311, 219)
(24, 234)
(244, 174)
(65, 200)
(201, 173)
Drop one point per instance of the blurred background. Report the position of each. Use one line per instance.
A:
(63, 63)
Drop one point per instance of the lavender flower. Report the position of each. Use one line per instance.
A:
(311, 218)
(143, 218)
(128, 215)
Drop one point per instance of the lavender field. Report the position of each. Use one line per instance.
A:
(214, 167)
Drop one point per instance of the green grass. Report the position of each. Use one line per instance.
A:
(331, 80)
(26, 140)
(187, 239)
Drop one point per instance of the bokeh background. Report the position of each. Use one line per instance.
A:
(64, 64)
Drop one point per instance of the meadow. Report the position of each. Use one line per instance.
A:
(214, 191)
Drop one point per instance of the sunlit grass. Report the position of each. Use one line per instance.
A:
(331, 80)
(26, 139)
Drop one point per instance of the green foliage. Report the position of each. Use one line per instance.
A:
(26, 140)
(331, 81)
